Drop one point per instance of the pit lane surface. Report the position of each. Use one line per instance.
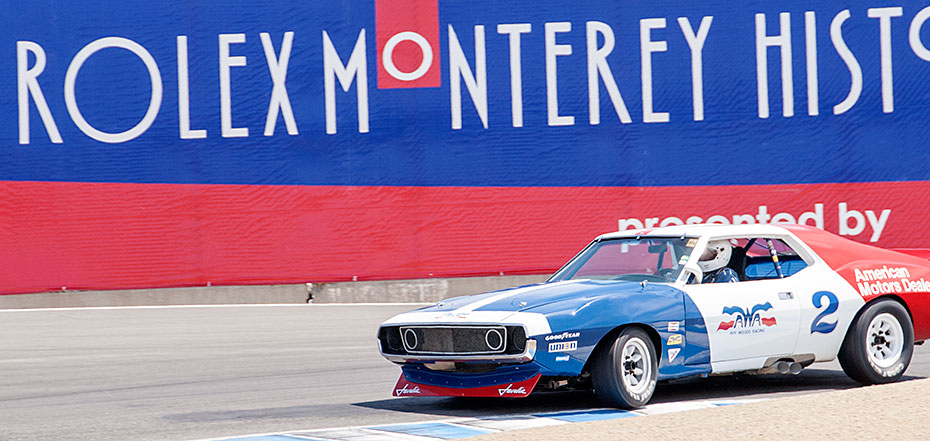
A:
(181, 373)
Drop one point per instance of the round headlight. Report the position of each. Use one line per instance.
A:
(494, 339)
(410, 339)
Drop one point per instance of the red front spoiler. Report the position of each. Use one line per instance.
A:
(519, 389)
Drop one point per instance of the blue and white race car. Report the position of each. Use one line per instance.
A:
(637, 307)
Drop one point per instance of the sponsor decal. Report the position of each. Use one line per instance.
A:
(562, 358)
(508, 391)
(885, 280)
(672, 353)
(405, 391)
(673, 326)
(674, 339)
(691, 243)
(563, 346)
(747, 321)
(563, 336)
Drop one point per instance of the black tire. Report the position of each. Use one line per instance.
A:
(879, 344)
(624, 373)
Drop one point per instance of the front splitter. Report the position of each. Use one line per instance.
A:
(520, 389)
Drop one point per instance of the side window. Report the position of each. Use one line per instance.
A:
(722, 261)
(759, 262)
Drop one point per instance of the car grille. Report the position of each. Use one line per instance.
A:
(453, 340)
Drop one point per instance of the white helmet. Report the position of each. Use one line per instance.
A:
(716, 256)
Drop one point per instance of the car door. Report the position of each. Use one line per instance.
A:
(750, 321)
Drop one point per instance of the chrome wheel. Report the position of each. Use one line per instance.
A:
(885, 340)
(624, 372)
(635, 366)
(879, 344)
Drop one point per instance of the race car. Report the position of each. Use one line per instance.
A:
(637, 307)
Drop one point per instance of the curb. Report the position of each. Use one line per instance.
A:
(459, 428)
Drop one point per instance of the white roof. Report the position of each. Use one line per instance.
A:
(703, 230)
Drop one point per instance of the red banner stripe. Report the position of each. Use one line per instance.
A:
(113, 236)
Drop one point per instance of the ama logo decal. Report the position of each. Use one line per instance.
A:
(747, 320)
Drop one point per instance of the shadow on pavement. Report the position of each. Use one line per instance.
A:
(712, 388)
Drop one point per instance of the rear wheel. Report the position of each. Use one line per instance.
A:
(624, 374)
(879, 344)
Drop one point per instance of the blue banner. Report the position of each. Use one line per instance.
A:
(530, 93)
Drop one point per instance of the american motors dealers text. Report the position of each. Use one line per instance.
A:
(350, 68)
(887, 280)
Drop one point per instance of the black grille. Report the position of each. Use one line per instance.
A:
(452, 340)
(458, 340)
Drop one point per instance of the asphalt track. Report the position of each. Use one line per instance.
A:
(183, 373)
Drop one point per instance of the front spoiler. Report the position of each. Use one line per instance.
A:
(519, 389)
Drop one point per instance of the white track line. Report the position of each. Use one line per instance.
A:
(243, 305)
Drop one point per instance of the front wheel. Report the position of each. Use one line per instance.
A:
(879, 344)
(624, 374)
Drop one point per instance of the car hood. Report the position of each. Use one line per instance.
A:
(556, 306)
(535, 298)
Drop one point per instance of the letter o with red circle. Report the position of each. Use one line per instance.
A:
(407, 36)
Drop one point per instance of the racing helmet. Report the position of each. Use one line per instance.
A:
(716, 256)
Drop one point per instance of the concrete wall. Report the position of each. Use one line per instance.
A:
(418, 290)
(391, 291)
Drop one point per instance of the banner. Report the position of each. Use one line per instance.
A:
(232, 142)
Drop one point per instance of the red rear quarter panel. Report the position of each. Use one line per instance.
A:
(923, 253)
(875, 272)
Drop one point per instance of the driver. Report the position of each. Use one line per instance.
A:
(714, 262)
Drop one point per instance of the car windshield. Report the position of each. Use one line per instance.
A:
(650, 259)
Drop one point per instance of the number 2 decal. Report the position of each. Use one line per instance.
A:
(818, 325)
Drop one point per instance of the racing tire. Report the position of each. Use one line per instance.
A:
(879, 344)
(624, 373)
